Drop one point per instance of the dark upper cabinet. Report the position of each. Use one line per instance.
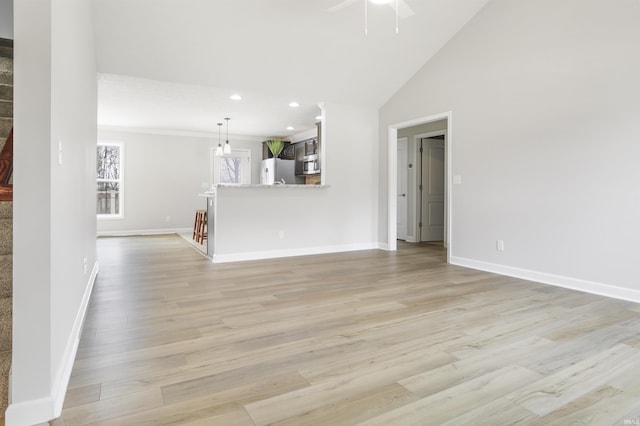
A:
(288, 153)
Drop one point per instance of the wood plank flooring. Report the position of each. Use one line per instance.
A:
(370, 338)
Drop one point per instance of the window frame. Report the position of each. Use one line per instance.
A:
(120, 181)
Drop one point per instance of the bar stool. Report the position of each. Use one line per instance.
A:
(200, 226)
(203, 227)
(196, 224)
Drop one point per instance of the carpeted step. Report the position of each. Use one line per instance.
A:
(6, 77)
(6, 124)
(6, 108)
(6, 275)
(6, 64)
(6, 52)
(5, 366)
(6, 236)
(6, 92)
(6, 210)
(6, 311)
(6, 42)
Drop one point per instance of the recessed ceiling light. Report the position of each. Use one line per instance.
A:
(294, 105)
(380, 1)
(235, 97)
(290, 128)
(318, 117)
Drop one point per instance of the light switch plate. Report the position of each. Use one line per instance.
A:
(457, 179)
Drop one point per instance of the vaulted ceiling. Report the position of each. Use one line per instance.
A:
(172, 64)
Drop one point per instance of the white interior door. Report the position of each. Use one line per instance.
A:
(403, 161)
(433, 193)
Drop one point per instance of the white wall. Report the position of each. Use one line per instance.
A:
(544, 100)
(6, 19)
(163, 175)
(54, 221)
(339, 218)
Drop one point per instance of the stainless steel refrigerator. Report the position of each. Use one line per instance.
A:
(277, 170)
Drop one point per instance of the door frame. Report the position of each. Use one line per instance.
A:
(417, 139)
(392, 177)
(406, 173)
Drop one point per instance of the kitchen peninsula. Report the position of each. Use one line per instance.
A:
(248, 222)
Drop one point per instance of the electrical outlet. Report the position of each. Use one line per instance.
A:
(500, 245)
(167, 218)
(281, 234)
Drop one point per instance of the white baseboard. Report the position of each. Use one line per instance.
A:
(44, 409)
(600, 289)
(61, 382)
(32, 412)
(273, 254)
(131, 233)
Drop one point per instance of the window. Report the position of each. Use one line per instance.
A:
(230, 170)
(109, 180)
(234, 168)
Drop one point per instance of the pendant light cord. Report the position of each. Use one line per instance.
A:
(227, 145)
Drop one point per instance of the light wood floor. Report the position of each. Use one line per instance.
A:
(373, 337)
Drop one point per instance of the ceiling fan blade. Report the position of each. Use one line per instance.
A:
(342, 5)
(404, 11)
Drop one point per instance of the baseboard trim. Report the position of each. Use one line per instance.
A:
(132, 233)
(592, 287)
(31, 412)
(61, 381)
(44, 409)
(274, 254)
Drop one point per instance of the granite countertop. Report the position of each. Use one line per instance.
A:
(274, 186)
(212, 192)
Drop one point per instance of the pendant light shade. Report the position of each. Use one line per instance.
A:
(227, 147)
(219, 148)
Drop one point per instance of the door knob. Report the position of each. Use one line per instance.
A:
(403, 195)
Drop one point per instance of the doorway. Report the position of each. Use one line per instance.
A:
(392, 200)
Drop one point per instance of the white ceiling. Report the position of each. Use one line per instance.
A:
(172, 64)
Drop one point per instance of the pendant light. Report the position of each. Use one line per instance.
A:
(219, 148)
(227, 147)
